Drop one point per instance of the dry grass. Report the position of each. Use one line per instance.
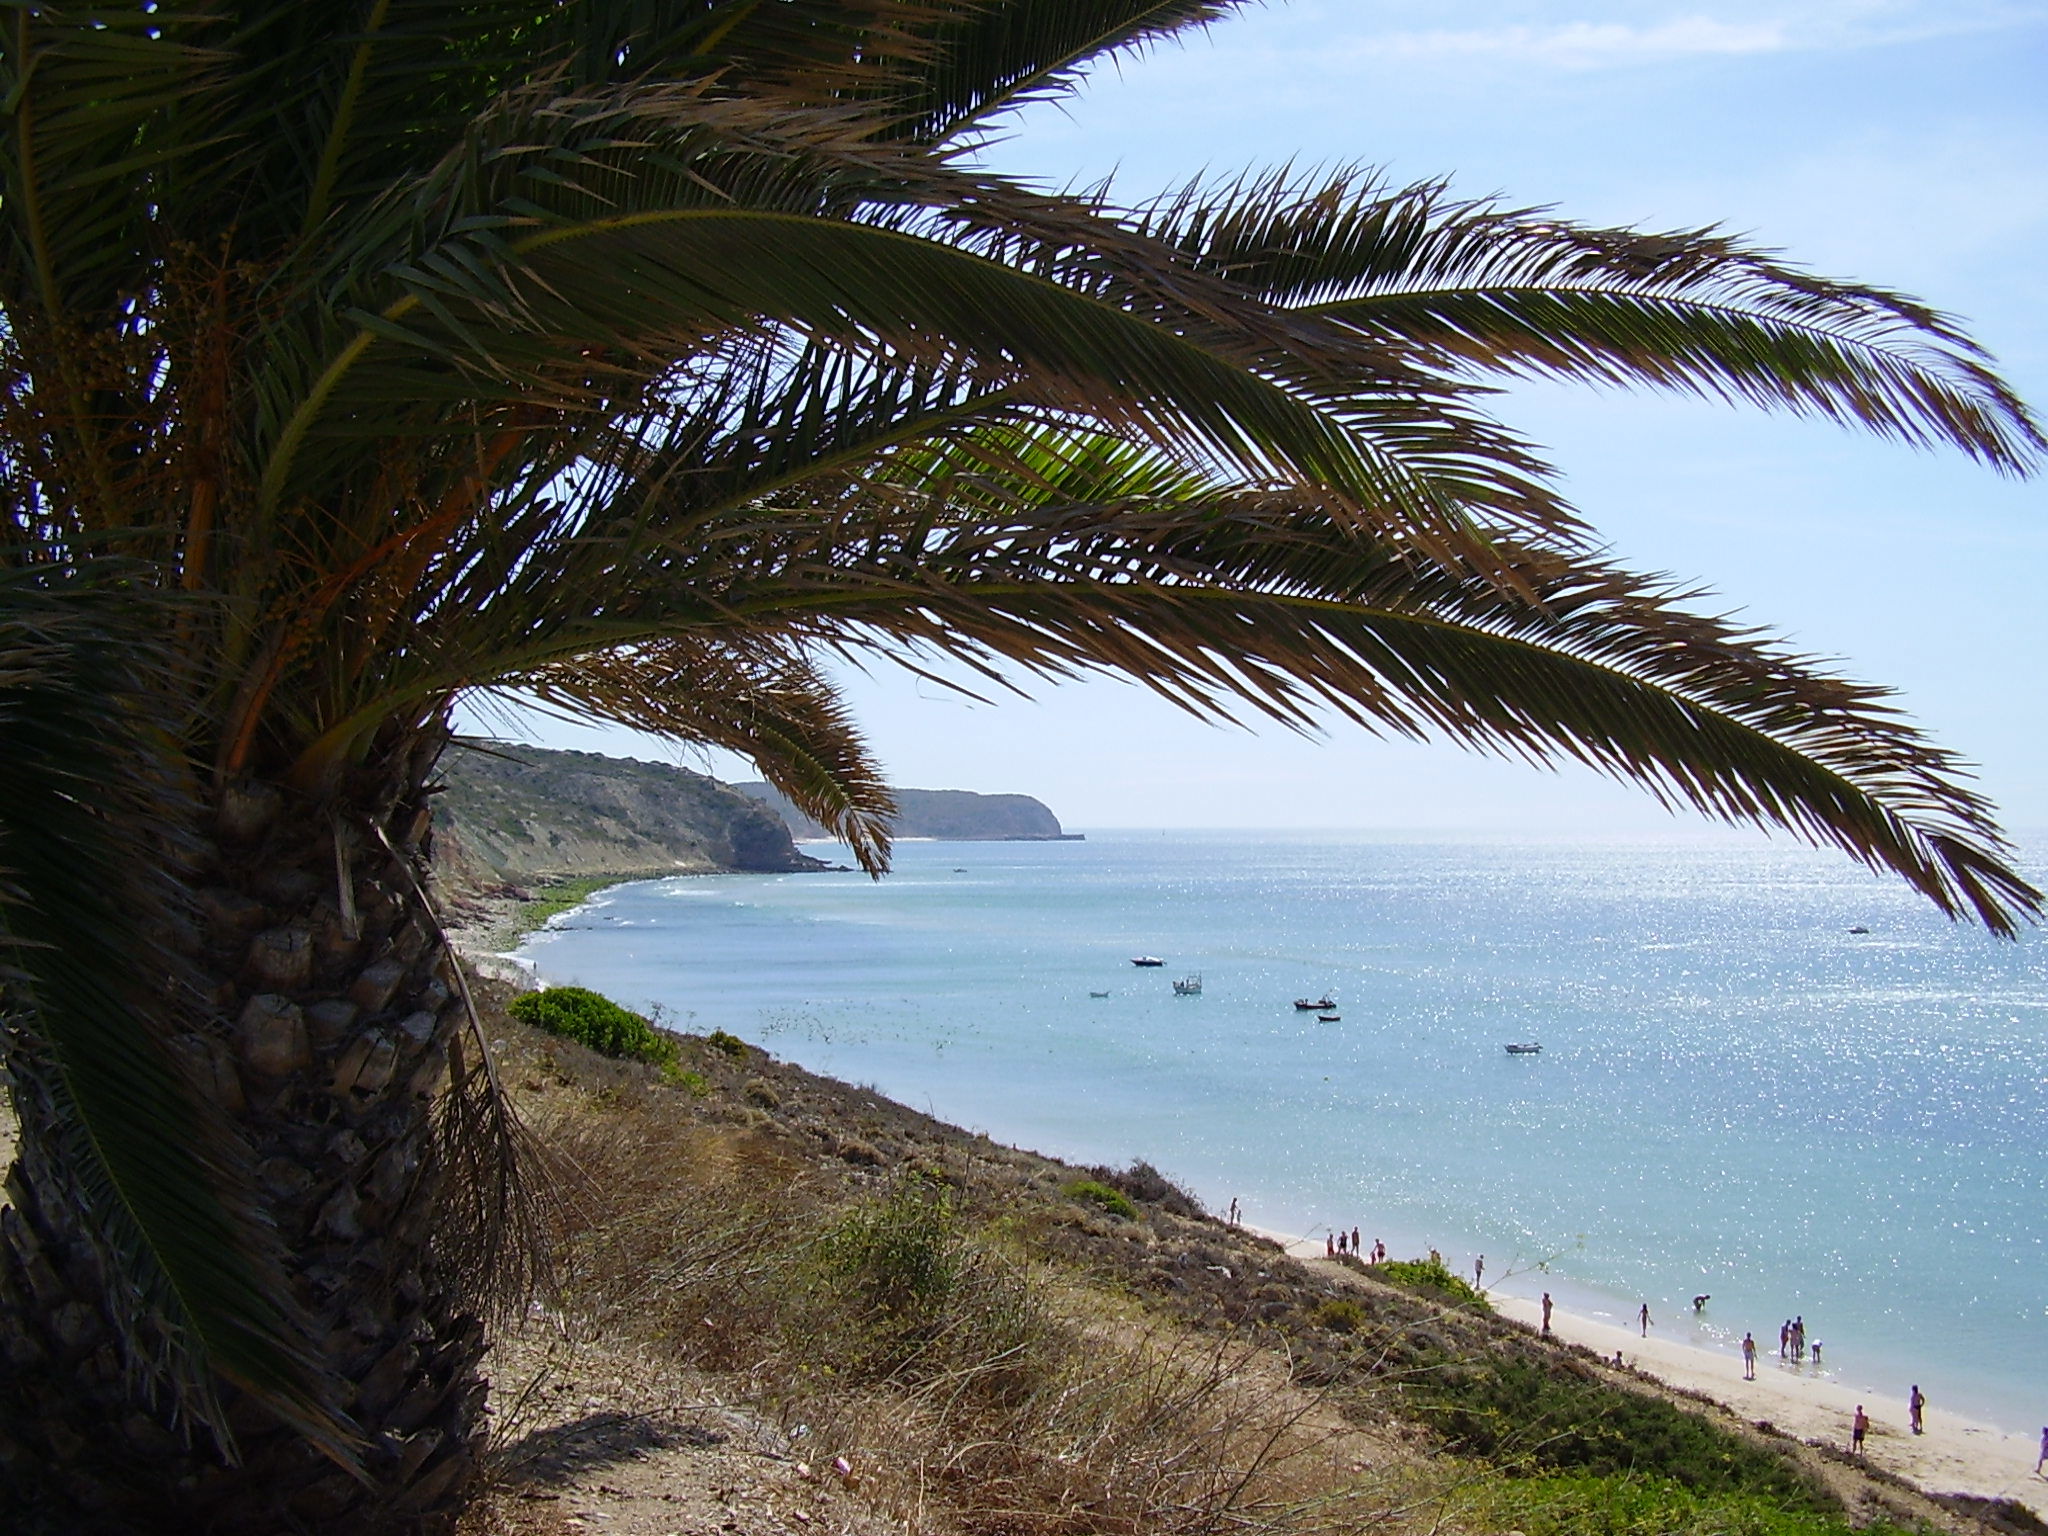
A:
(968, 1388)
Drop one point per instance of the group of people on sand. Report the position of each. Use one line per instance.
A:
(1792, 1347)
(1916, 1420)
(1338, 1244)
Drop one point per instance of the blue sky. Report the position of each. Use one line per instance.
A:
(1898, 143)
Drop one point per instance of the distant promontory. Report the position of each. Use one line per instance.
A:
(944, 815)
(513, 821)
(514, 815)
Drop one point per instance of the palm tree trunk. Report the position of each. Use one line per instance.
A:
(333, 1032)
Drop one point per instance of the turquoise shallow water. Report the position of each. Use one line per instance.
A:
(1736, 1095)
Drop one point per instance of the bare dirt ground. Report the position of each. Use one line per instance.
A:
(592, 1438)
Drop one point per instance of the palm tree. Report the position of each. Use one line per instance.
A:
(633, 354)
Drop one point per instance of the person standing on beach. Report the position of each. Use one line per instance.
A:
(1858, 1428)
(1341, 1241)
(2039, 1461)
(1816, 1354)
(1355, 1249)
(1329, 1245)
(1478, 1271)
(1749, 1357)
(1916, 1409)
(1785, 1340)
(1546, 1334)
(1643, 1317)
(1799, 1339)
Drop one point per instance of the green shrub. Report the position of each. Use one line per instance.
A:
(1141, 1181)
(556, 897)
(1433, 1276)
(731, 1045)
(695, 1084)
(1631, 1505)
(1095, 1192)
(901, 1254)
(1340, 1314)
(1533, 1414)
(912, 1298)
(592, 1019)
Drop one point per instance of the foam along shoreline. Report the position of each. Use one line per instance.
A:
(1955, 1455)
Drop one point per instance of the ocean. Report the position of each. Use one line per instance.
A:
(1739, 1094)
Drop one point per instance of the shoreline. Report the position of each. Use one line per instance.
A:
(1955, 1455)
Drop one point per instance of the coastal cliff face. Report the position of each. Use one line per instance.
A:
(947, 815)
(517, 815)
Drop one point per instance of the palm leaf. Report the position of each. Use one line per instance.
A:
(1476, 288)
(1222, 599)
(637, 260)
(774, 709)
(998, 56)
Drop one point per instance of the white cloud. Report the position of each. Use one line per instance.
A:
(1588, 44)
(1603, 44)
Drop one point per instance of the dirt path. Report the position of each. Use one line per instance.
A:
(592, 1439)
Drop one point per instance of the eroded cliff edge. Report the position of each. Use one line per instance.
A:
(518, 816)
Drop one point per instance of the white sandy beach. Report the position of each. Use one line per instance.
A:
(1954, 1455)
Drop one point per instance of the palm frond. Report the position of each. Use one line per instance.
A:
(1055, 554)
(97, 101)
(772, 708)
(572, 288)
(999, 55)
(1478, 288)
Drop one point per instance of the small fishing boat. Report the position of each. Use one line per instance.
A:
(1315, 1004)
(1329, 1018)
(1188, 986)
(1147, 960)
(1859, 928)
(1525, 1048)
(1098, 994)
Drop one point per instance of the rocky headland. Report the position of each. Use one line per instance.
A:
(945, 815)
(520, 832)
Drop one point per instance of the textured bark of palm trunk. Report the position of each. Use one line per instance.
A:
(329, 1032)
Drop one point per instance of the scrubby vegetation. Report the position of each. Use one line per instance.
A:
(1434, 1277)
(1526, 1413)
(592, 1019)
(1096, 1193)
(555, 897)
(1002, 1344)
(1146, 1184)
(1622, 1505)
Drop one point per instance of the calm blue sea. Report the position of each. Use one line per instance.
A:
(1737, 1094)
